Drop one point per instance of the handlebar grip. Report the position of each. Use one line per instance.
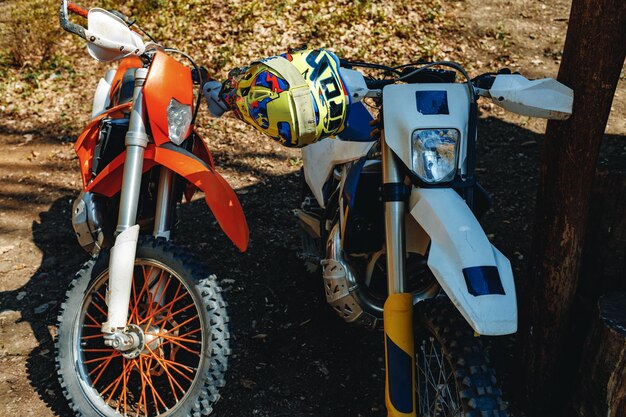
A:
(77, 9)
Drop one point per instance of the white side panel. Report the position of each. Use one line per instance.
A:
(319, 158)
(458, 242)
(546, 98)
(100, 98)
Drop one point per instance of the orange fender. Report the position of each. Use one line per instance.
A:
(218, 194)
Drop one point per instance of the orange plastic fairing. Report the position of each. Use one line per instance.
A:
(168, 79)
(125, 64)
(86, 142)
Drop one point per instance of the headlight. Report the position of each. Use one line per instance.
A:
(435, 154)
(178, 121)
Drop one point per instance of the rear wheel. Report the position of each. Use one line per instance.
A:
(453, 375)
(177, 309)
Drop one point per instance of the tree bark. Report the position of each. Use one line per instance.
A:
(601, 381)
(593, 56)
(604, 252)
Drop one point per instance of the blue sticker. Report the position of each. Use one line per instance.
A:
(483, 280)
(432, 102)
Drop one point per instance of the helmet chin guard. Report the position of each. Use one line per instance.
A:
(296, 98)
(300, 94)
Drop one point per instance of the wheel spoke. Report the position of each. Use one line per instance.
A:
(156, 289)
(125, 367)
(95, 336)
(139, 365)
(437, 392)
(93, 303)
(161, 361)
(190, 319)
(104, 366)
(151, 312)
(171, 315)
(102, 358)
(125, 395)
(96, 322)
(168, 305)
(177, 338)
(155, 393)
(174, 342)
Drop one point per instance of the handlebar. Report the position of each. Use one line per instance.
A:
(66, 24)
(79, 10)
(425, 76)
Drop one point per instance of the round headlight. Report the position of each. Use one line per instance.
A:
(435, 154)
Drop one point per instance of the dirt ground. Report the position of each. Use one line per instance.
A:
(291, 355)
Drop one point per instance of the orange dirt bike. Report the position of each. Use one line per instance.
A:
(143, 331)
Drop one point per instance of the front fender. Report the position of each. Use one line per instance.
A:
(475, 275)
(218, 194)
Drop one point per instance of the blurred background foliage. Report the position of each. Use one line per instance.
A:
(38, 60)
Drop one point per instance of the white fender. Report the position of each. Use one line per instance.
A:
(477, 278)
(319, 158)
(121, 265)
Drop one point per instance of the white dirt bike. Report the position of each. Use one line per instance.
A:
(389, 210)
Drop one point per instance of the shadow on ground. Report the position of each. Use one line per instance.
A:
(291, 355)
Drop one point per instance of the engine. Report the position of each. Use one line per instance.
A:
(87, 220)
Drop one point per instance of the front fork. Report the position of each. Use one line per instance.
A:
(398, 308)
(122, 258)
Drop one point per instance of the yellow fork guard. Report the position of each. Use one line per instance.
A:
(400, 356)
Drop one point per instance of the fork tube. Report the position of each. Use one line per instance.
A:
(122, 258)
(136, 142)
(394, 221)
(398, 308)
(162, 216)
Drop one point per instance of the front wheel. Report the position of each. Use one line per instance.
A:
(453, 375)
(177, 308)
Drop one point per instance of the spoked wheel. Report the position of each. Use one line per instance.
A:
(453, 375)
(178, 315)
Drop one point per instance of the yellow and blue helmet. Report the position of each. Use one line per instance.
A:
(295, 98)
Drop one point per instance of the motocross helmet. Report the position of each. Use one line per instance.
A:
(295, 98)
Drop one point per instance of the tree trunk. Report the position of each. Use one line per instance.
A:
(604, 252)
(593, 56)
(601, 382)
